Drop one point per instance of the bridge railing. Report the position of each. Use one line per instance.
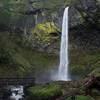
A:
(16, 81)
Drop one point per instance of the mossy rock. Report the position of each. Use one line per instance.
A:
(44, 92)
(48, 27)
(45, 33)
(80, 97)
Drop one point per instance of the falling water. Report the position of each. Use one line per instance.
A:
(63, 73)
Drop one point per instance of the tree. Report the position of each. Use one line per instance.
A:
(11, 11)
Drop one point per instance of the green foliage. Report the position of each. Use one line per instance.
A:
(41, 61)
(84, 63)
(10, 57)
(96, 72)
(44, 92)
(11, 11)
(72, 2)
(19, 59)
(6, 57)
(80, 97)
(53, 4)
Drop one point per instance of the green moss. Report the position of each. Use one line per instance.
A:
(44, 92)
(80, 97)
(43, 33)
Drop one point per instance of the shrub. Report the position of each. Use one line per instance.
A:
(44, 92)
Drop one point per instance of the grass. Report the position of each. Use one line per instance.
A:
(44, 92)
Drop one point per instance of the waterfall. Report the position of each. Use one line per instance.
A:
(63, 72)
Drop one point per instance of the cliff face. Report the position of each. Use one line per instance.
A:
(25, 14)
(83, 20)
(31, 17)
